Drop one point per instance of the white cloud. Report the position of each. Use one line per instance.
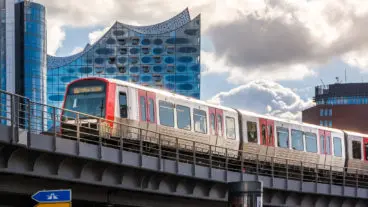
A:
(76, 50)
(276, 39)
(264, 97)
(96, 35)
(55, 36)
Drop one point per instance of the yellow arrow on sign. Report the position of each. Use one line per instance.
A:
(53, 205)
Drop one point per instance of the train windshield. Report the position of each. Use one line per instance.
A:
(86, 97)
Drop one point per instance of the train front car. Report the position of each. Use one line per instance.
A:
(86, 103)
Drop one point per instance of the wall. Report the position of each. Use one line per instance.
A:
(349, 117)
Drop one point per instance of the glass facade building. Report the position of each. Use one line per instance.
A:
(23, 50)
(164, 55)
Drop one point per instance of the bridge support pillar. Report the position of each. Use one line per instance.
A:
(245, 194)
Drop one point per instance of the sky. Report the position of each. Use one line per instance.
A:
(264, 56)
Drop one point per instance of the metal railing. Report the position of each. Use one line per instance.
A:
(21, 113)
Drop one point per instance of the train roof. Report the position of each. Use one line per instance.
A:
(356, 134)
(248, 113)
(168, 93)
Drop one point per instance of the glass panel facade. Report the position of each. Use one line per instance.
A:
(165, 55)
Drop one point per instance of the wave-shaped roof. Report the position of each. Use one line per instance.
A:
(164, 27)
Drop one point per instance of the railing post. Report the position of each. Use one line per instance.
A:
(177, 155)
(159, 153)
(121, 143)
(12, 118)
(257, 165)
(210, 160)
(78, 131)
(242, 165)
(42, 118)
(343, 177)
(357, 179)
(226, 164)
(194, 158)
(54, 127)
(301, 176)
(140, 147)
(272, 170)
(29, 123)
(330, 175)
(316, 180)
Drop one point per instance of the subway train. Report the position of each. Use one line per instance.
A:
(176, 116)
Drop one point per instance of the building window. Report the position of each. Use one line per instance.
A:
(252, 131)
(321, 123)
(230, 128)
(330, 123)
(326, 112)
(297, 140)
(325, 123)
(183, 116)
(200, 121)
(311, 142)
(337, 147)
(166, 113)
(330, 112)
(321, 112)
(282, 137)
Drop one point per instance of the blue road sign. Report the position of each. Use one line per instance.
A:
(53, 196)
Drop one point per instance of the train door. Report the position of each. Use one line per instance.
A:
(216, 126)
(325, 147)
(147, 106)
(325, 142)
(365, 141)
(267, 132)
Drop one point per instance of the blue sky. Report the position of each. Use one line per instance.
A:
(272, 52)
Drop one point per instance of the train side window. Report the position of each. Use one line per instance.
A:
(270, 134)
(200, 121)
(212, 122)
(322, 144)
(143, 109)
(183, 116)
(166, 113)
(311, 142)
(328, 145)
(263, 134)
(337, 147)
(357, 150)
(282, 137)
(230, 128)
(252, 131)
(297, 140)
(219, 124)
(151, 106)
(123, 105)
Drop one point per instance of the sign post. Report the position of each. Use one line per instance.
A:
(53, 198)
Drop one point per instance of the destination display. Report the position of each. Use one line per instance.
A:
(87, 89)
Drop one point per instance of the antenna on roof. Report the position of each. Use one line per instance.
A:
(322, 82)
(345, 75)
